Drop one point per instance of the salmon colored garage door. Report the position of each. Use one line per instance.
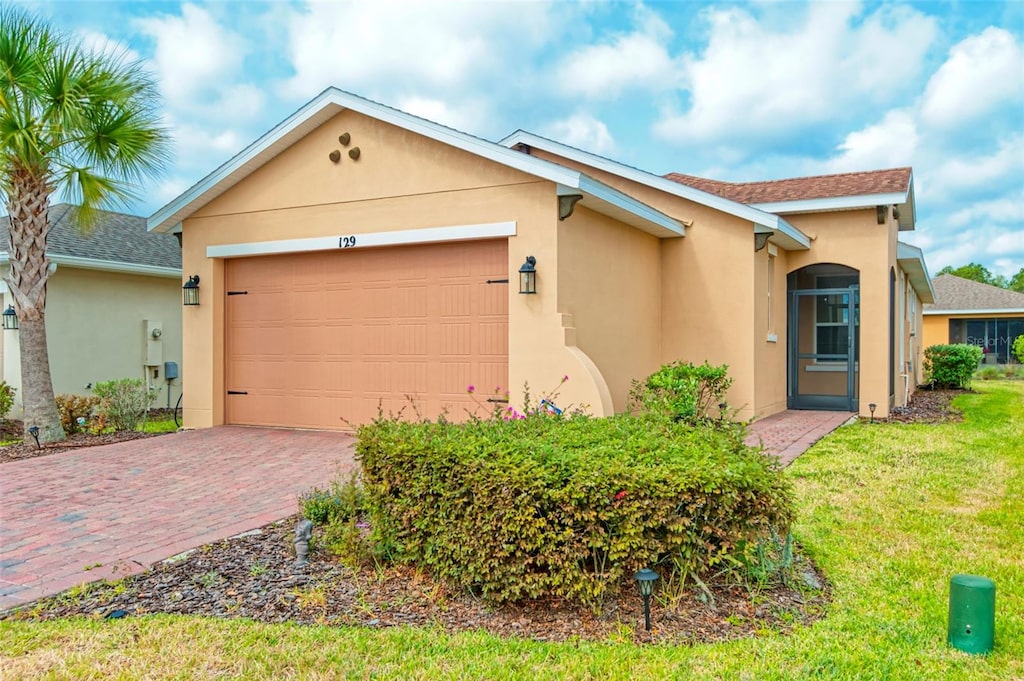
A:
(319, 340)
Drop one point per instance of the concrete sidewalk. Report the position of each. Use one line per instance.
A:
(91, 513)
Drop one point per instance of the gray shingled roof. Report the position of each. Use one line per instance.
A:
(117, 237)
(957, 293)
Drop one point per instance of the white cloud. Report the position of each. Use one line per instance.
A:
(755, 79)
(368, 47)
(886, 144)
(982, 72)
(1008, 242)
(467, 116)
(582, 131)
(630, 60)
(194, 54)
(956, 175)
(1004, 210)
(102, 44)
(170, 189)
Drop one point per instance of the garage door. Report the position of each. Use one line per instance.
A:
(323, 340)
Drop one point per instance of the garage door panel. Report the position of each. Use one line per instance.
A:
(323, 340)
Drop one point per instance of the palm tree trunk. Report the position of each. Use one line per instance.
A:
(28, 206)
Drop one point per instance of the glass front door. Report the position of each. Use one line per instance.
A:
(824, 332)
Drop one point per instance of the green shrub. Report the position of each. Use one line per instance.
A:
(682, 391)
(344, 500)
(951, 366)
(6, 399)
(566, 507)
(73, 407)
(1018, 348)
(124, 403)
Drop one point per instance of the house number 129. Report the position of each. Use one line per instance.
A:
(346, 241)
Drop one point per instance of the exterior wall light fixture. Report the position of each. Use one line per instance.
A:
(10, 319)
(190, 291)
(645, 579)
(528, 275)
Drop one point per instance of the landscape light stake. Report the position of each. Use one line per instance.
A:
(34, 432)
(872, 407)
(645, 579)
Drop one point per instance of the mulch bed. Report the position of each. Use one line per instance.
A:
(29, 450)
(254, 576)
(929, 406)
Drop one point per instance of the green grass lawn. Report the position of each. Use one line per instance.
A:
(889, 512)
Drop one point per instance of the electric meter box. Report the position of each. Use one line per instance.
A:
(170, 370)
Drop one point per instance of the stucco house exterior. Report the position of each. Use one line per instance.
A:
(108, 292)
(356, 256)
(967, 311)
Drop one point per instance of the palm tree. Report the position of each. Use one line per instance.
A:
(76, 122)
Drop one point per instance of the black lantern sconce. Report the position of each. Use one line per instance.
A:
(528, 275)
(645, 579)
(10, 319)
(190, 291)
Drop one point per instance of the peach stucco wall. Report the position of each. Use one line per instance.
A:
(610, 289)
(401, 181)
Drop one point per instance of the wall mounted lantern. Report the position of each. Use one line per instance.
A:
(528, 275)
(190, 291)
(760, 240)
(10, 319)
(645, 579)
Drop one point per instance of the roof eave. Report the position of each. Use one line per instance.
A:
(785, 234)
(332, 101)
(979, 311)
(106, 265)
(911, 259)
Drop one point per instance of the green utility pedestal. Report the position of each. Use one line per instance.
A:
(972, 613)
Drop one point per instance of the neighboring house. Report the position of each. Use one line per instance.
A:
(356, 256)
(108, 291)
(967, 311)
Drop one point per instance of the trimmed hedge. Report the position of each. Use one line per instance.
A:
(952, 366)
(566, 507)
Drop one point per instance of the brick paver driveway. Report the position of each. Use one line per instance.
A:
(122, 507)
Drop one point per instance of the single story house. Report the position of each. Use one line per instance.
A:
(967, 311)
(357, 257)
(113, 305)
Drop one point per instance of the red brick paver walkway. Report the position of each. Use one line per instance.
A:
(120, 508)
(788, 434)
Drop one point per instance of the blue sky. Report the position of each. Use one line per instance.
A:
(733, 91)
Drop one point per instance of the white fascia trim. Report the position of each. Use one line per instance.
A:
(834, 203)
(364, 240)
(758, 217)
(627, 203)
(911, 259)
(997, 311)
(106, 265)
(192, 199)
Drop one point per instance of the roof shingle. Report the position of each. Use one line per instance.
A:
(117, 237)
(956, 293)
(866, 183)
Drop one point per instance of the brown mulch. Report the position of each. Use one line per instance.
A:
(29, 450)
(254, 576)
(929, 406)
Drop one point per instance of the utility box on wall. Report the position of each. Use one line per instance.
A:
(154, 331)
(170, 370)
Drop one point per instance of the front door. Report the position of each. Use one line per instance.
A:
(824, 329)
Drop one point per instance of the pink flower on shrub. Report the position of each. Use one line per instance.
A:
(565, 378)
(621, 495)
(470, 388)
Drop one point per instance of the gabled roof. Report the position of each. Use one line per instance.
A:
(117, 243)
(840, 191)
(911, 259)
(956, 294)
(596, 195)
(785, 234)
